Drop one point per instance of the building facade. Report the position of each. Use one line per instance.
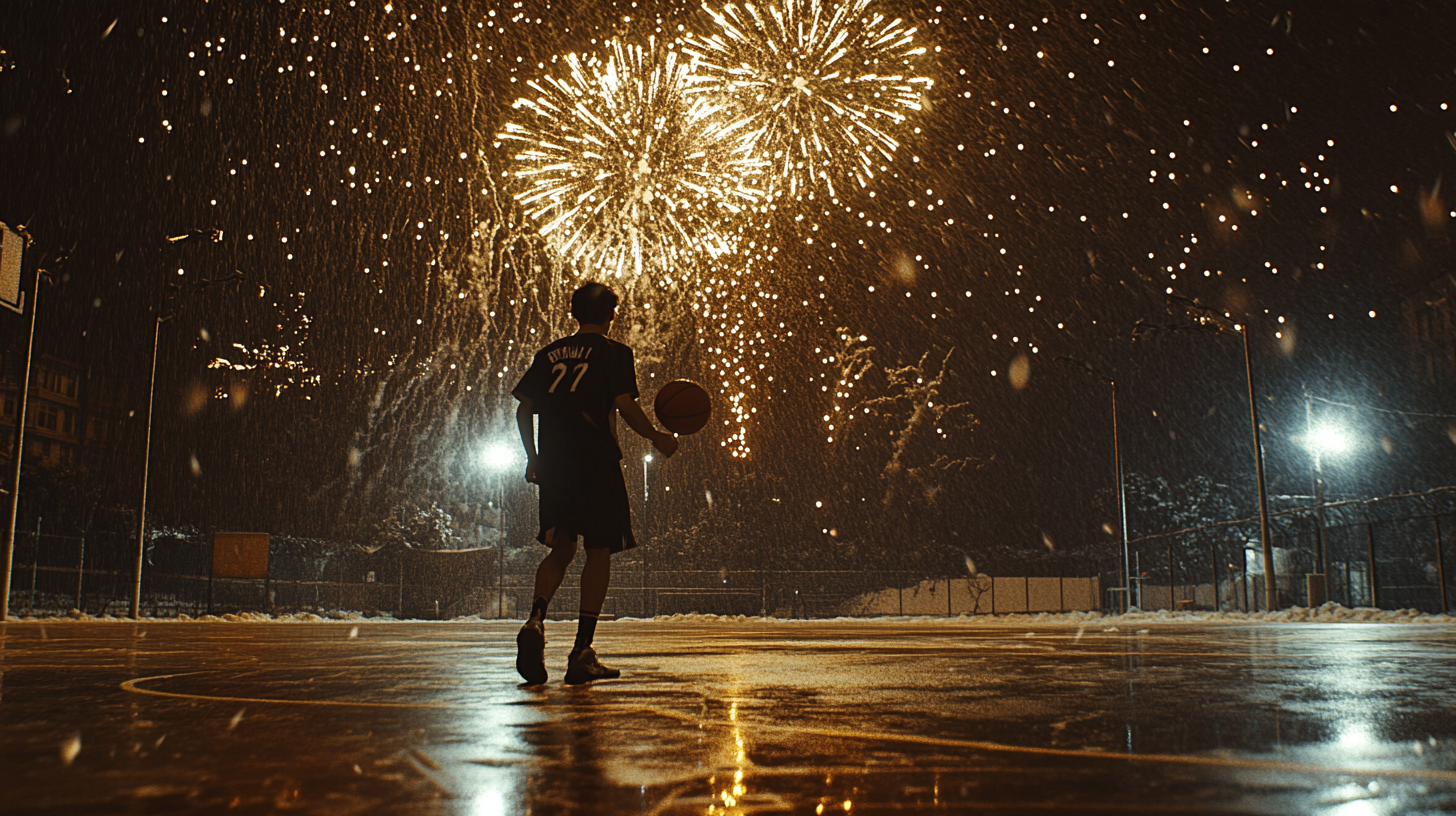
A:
(1430, 319)
(75, 417)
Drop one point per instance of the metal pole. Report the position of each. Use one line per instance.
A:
(1271, 588)
(1172, 582)
(1440, 562)
(1213, 569)
(17, 452)
(646, 611)
(141, 553)
(34, 561)
(1244, 553)
(1321, 552)
(1121, 505)
(1370, 553)
(80, 571)
(501, 546)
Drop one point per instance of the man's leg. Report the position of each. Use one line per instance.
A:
(595, 577)
(552, 571)
(582, 665)
(531, 641)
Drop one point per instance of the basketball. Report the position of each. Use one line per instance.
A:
(682, 407)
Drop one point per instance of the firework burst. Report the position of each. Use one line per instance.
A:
(823, 85)
(626, 170)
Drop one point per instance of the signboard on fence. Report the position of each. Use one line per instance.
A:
(240, 555)
(12, 251)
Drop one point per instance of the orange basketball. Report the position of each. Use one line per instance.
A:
(682, 407)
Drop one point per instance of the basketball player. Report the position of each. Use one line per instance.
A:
(578, 385)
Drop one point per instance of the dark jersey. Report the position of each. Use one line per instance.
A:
(573, 385)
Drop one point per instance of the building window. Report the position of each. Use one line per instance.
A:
(45, 417)
(68, 422)
(9, 407)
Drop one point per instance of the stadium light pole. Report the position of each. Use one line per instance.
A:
(1319, 441)
(18, 450)
(141, 551)
(499, 458)
(167, 298)
(1205, 318)
(1087, 368)
(1271, 580)
(646, 460)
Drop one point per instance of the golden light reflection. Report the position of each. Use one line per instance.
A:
(731, 796)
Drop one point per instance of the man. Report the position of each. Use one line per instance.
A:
(578, 385)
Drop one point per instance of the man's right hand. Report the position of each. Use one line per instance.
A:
(531, 470)
(665, 443)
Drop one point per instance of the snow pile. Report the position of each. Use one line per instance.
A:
(1329, 613)
(330, 616)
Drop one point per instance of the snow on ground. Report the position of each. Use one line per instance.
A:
(1329, 613)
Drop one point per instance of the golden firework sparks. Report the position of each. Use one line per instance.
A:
(822, 84)
(626, 170)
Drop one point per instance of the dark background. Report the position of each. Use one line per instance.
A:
(352, 414)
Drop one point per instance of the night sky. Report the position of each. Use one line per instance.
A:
(1288, 163)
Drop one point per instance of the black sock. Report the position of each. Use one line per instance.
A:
(586, 629)
(538, 608)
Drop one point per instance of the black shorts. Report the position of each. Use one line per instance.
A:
(586, 498)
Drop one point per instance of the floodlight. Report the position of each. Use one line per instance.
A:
(498, 457)
(1329, 439)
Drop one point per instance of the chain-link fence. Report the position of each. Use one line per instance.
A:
(1390, 552)
(56, 574)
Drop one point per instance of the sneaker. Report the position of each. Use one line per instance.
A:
(584, 667)
(531, 652)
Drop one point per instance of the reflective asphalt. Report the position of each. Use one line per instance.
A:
(728, 717)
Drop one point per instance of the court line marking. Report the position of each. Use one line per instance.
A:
(131, 686)
(941, 742)
(997, 747)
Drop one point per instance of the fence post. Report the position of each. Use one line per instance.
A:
(1370, 554)
(80, 571)
(1440, 562)
(34, 562)
(1172, 582)
(1213, 569)
(1244, 551)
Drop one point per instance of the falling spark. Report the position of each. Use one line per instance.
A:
(822, 85)
(70, 748)
(625, 169)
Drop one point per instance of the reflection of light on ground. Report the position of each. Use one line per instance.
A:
(731, 795)
(1352, 682)
(1355, 735)
(1363, 807)
(489, 803)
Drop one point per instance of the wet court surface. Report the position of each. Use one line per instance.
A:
(728, 717)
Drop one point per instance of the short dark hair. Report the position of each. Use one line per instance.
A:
(593, 303)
